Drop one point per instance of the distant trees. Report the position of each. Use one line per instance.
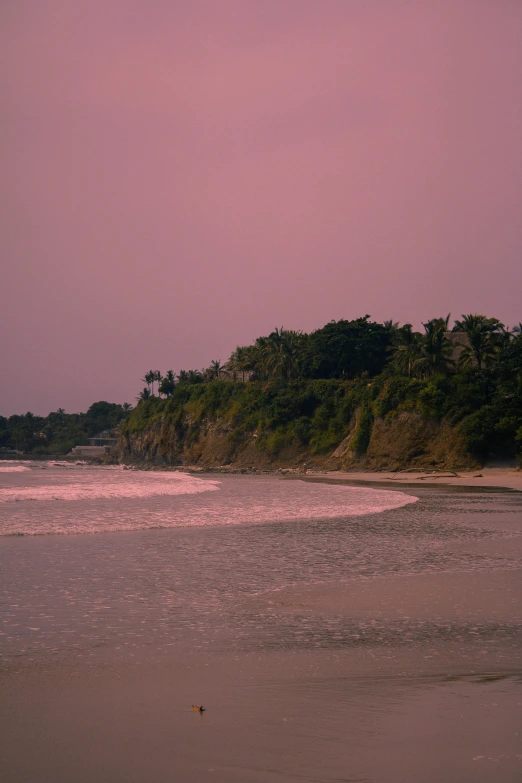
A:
(353, 349)
(103, 416)
(150, 379)
(191, 376)
(58, 432)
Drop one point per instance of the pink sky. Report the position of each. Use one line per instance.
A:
(180, 177)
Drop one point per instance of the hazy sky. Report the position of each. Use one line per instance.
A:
(181, 176)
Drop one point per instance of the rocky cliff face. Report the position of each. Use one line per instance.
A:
(407, 440)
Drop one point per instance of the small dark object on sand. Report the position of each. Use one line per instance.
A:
(198, 709)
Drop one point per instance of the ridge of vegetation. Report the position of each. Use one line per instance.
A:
(306, 394)
(298, 393)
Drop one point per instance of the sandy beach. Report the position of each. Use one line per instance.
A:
(507, 478)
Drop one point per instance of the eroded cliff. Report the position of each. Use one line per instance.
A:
(334, 436)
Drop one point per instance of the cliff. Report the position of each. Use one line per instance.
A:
(333, 425)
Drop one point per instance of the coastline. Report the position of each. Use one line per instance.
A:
(492, 478)
(484, 478)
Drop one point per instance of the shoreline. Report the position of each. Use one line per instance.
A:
(487, 478)
(509, 478)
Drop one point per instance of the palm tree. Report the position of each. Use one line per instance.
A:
(484, 337)
(158, 378)
(281, 353)
(407, 350)
(144, 394)
(149, 379)
(240, 361)
(195, 376)
(127, 407)
(215, 371)
(393, 329)
(436, 348)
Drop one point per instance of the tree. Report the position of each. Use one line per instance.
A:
(346, 349)
(407, 350)
(190, 376)
(144, 394)
(240, 361)
(393, 328)
(280, 353)
(149, 379)
(103, 415)
(167, 384)
(436, 348)
(484, 338)
(214, 371)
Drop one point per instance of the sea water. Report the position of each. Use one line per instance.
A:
(314, 620)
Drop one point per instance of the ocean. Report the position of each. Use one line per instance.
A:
(322, 625)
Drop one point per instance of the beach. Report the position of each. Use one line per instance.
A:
(501, 478)
(377, 645)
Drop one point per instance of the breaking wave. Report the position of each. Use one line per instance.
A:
(53, 500)
(114, 484)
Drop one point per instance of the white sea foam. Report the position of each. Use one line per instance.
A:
(97, 500)
(13, 468)
(98, 485)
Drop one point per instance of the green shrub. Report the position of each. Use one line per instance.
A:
(363, 430)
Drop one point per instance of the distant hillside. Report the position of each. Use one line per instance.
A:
(384, 423)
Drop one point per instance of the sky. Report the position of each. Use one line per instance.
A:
(182, 176)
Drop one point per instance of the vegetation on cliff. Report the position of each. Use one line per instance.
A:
(337, 394)
(351, 393)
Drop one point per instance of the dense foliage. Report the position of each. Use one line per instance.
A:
(308, 391)
(58, 432)
(291, 389)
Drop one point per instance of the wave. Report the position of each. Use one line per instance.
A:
(13, 468)
(91, 486)
(139, 506)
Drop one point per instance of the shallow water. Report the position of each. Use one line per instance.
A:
(323, 626)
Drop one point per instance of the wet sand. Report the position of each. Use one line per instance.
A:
(425, 710)
(313, 716)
